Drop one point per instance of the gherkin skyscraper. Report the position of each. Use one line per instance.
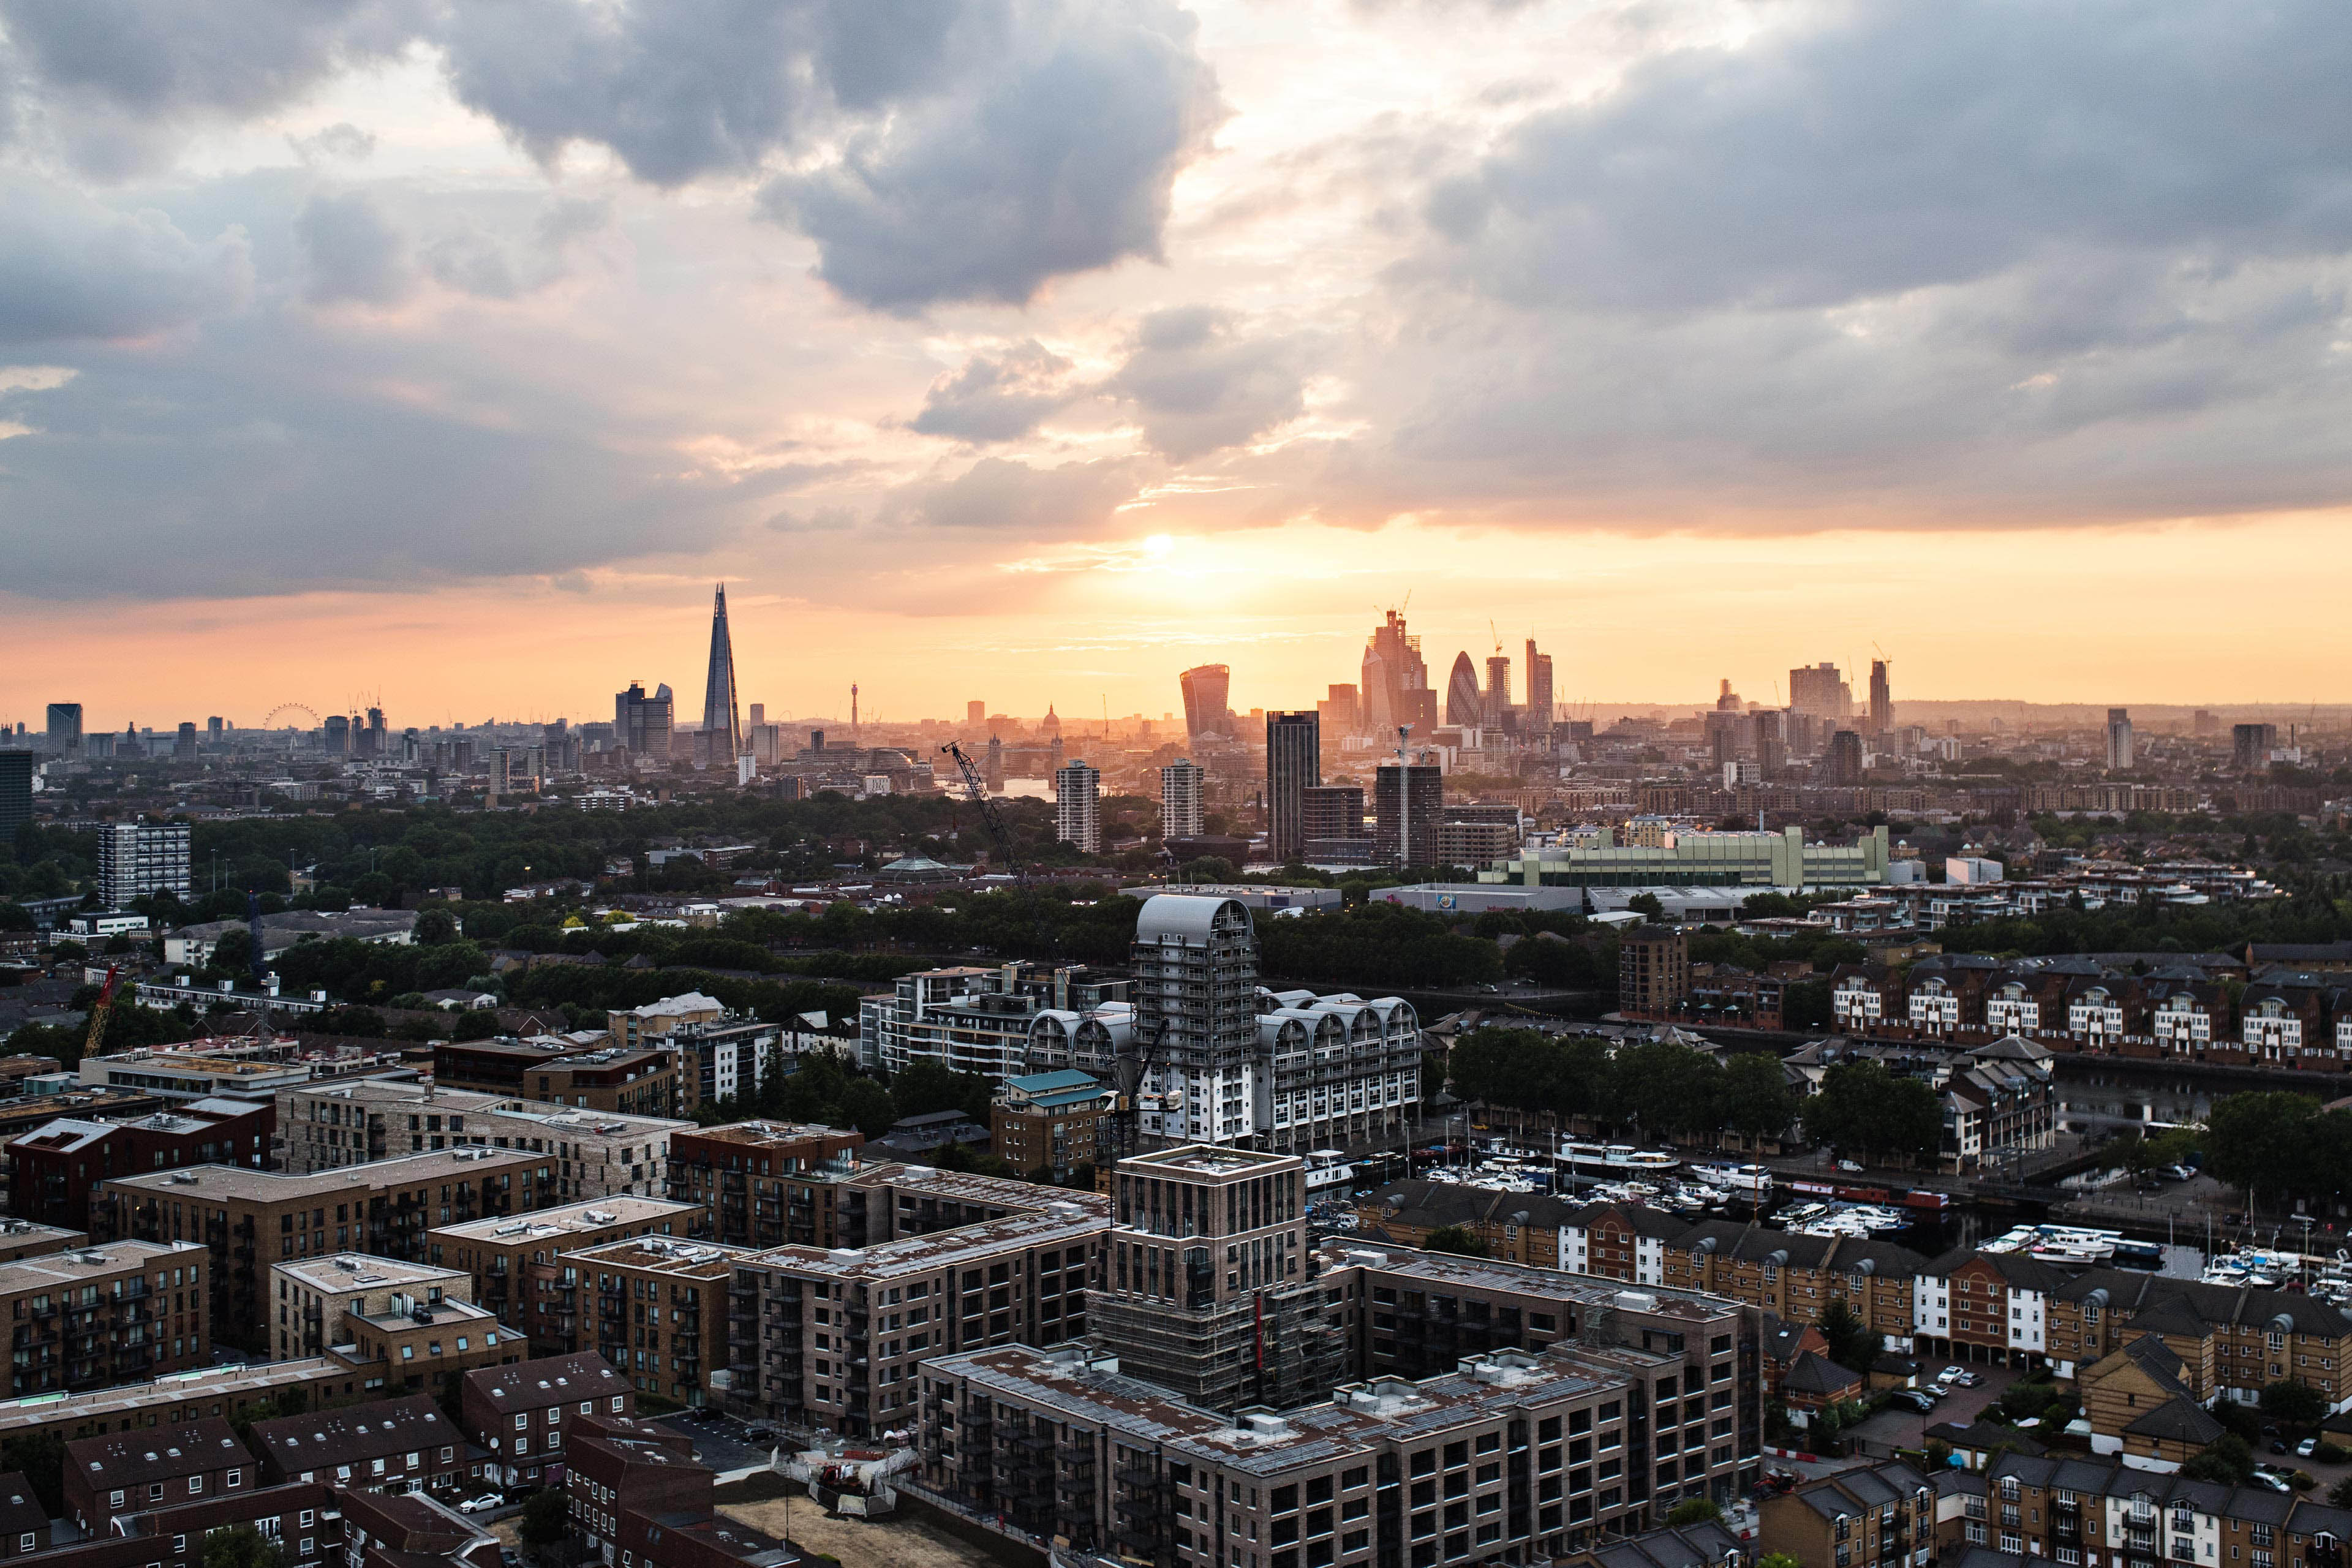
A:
(718, 717)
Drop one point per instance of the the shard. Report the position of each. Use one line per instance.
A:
(719, 716)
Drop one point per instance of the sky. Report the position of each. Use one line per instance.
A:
(1030, 350)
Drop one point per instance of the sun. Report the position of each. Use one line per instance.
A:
(1159, 545)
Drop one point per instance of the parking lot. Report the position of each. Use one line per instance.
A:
(721, 1441)
(1898, 1428)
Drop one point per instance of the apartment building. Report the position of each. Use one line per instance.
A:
(633, 1081)
(174, 1399)
(593, 1154)
(519, 1415)
(101, 1315)
(833, 1339)
(763, 1183)
(405, 1327)
(1053, 1121)
(518, 1275)
(54, 1170)
(1229, 1062)
(1508, 1455)
(1884, 1515)
(975, 1018)
(721, 1054)
(130, 1472)
(252, 1220)
(23, 1238)
(655, 1310)
(1205, 1291)
(401, 1445)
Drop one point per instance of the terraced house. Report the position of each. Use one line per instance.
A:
(1998, 1308)
(2099, 1514)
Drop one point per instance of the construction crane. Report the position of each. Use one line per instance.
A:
(100, 1011)
(989, 815)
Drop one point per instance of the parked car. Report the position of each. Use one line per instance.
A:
(1850, 1167)
(482, 1504)
(2180, 1172)
(1959, 1376)
(1915, 1399)
(2309, 1446)
(2278, 1445)
(2265, 1476)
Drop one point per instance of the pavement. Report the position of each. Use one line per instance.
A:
(720, 1441)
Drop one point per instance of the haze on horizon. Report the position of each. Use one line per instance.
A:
(1039, 349)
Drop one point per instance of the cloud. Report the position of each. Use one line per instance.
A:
(353, 252)
(1020, 501)
(1061, 161)
(824, 519)
(1201, 384)
(999, 397)
(1892, 147)
(496, 264)
(73, 268)
(341, 141)
(238, 57)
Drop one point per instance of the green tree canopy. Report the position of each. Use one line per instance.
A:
(1457, 1238)
(240, 1546)
(1864, 1108)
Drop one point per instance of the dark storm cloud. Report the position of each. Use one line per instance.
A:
(999, 397)
(71, 269)
(1200, 382)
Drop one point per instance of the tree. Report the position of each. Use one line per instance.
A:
(1852, 1344)
(436, 927)
(545, 1519)
(2226, 1459)
(1756, 1099)
(40, 1457)
(1693, 1510)
(1863, 1108)
(1778, 1560)
(1456, 1238)
(867, 1105)
(1647, 905)
(2291, 1401)
(242, 1546)
(2340, 1495)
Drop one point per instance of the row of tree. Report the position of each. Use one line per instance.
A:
(1667, 1091)
(1664, 1089)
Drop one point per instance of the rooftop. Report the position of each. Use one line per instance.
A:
(1446, 1268)
(940, 1249)
(1200, 1159)
(261, 1378)
(269, 1186)
(355, 1271)
(83, 1264)
(1087, 1387)
(588, 1216)
(768, 1134)
(551, 1380)
(704, 1260)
